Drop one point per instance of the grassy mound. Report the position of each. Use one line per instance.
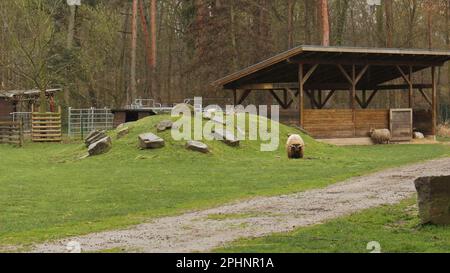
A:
(127, 147)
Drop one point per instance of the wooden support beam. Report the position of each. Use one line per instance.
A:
(434, 99)
(330, 94)
(361, 103)
(309, 73)
(311, 95)
(285, 97)
(408, 80)
(411, 88)
(353, 94)
(235, 97)
(319, 98)
(292, 94)
(403, 86)
(244, 96)
(293, 99)
(346, 75)
(300, 88)
(361, 73)
(280, 102)
(369, 100)
(403, 74)
(425, 96)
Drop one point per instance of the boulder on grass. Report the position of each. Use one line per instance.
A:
(94, 136)
(123, 132)
(164, 125)
(226, 137)
(197, 146)
(150, 141)
(100, 147)
(434, 199)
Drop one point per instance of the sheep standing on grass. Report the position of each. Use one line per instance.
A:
(380, 136)
(295, 146)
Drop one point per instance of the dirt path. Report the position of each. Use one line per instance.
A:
(203, 230)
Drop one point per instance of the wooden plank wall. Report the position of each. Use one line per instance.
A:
(11, 133)
(46, 127)
(338, 123)
(370, 119)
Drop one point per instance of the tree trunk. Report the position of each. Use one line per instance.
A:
(325, 22)
(291, 6)
(308, 31)
(389, 23)
(71, 30)
(430, 25)
(233, 36)
(342, 18)
(412, 19)
(133, 87)
(153, 9)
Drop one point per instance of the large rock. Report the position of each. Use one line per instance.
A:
(226, 136)
(150, 141)
(197, 146)
(434, 199)
(123, 132)
(100, 147)
(164, 125)
(94, 136)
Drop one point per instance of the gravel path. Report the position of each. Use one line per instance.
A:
(202, 231)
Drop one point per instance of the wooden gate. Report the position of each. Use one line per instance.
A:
(11, 133)
(46, 127)
(401, 124)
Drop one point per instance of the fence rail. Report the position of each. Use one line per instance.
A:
(46, 127)
(83, 121)
(11, 132)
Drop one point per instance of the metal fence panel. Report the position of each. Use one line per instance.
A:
(83, 121)
(25, 117)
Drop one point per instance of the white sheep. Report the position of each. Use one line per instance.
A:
(380, 136)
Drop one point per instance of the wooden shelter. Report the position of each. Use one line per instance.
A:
(22, 100)
(319, 73)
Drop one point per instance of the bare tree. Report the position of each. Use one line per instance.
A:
(32, 37)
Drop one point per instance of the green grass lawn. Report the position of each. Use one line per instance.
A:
(47, 192)
(396, 228)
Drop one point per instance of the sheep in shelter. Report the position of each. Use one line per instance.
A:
(295, 146)
(380, 136)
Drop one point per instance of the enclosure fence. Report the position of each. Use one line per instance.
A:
(25, 118)
(83, 121)
(11, 133)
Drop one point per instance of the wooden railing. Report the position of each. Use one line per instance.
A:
(11, 133)
(46, 127)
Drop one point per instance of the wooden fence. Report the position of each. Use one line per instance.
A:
(46, 127)
(11, 132)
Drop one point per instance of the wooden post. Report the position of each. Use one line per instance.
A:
(353, 95)
(433, 100)
(235, 97)
(410, 99)
(21, 139)
(301, 95)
